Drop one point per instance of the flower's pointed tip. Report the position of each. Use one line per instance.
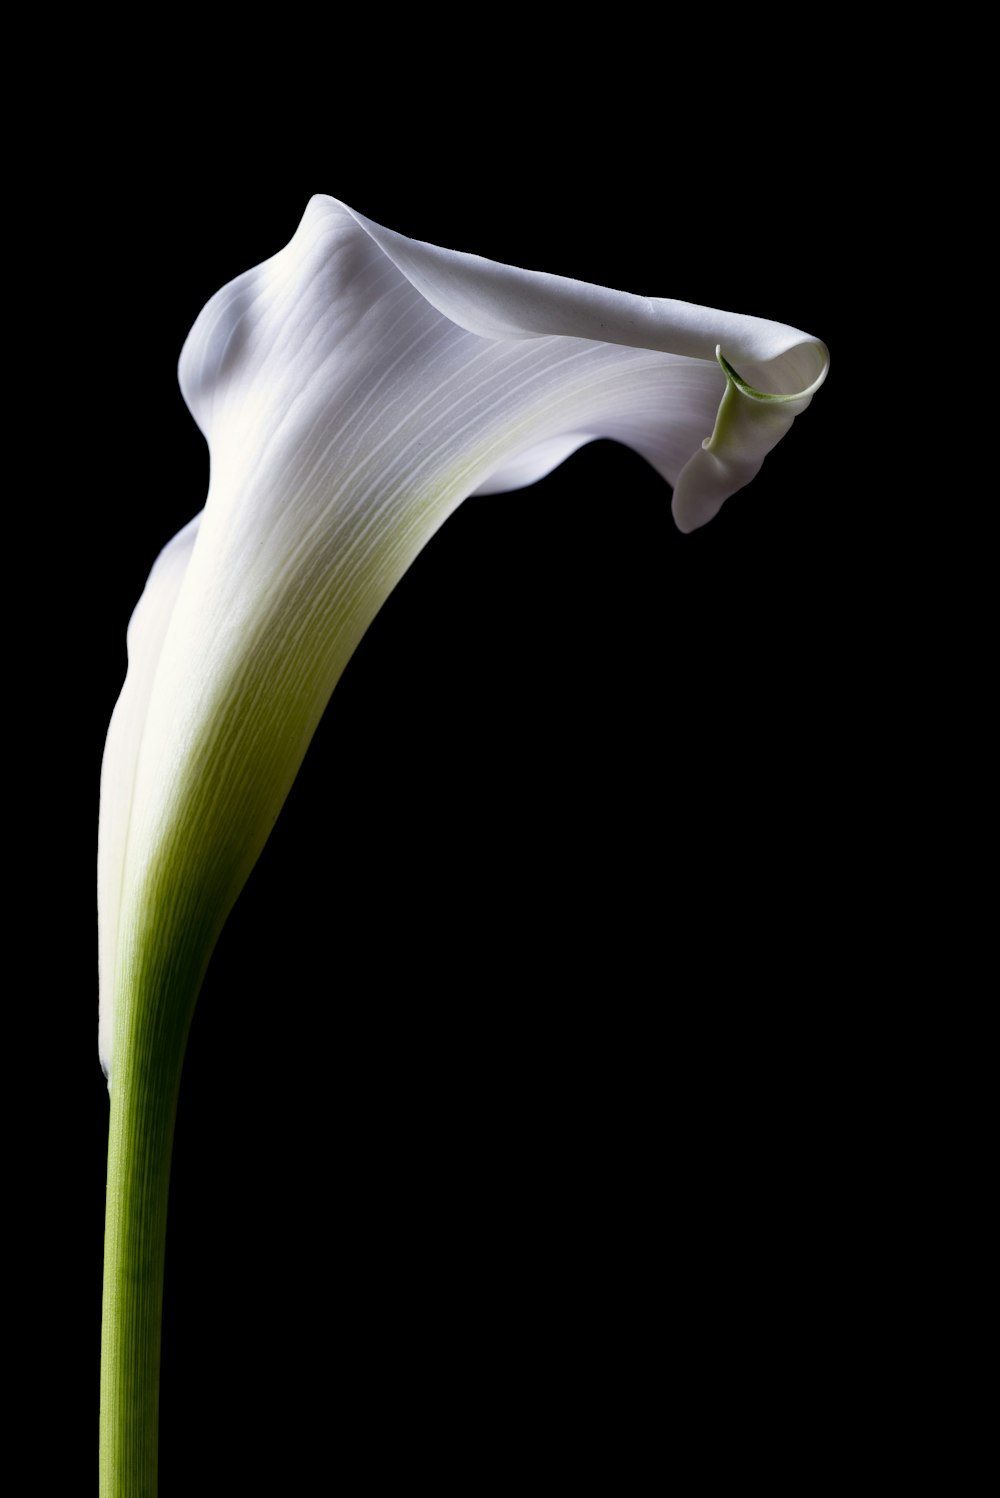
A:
(692, 507)
(749, 424)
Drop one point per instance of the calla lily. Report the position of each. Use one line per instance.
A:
(353, 390)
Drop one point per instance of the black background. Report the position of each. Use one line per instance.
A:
(513, 1069)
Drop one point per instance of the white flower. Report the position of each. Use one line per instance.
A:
(354, 389)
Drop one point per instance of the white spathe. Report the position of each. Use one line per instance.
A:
(353, 390)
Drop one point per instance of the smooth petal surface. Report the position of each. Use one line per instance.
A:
(353, 390)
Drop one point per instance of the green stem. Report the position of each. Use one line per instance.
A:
(151, 1030)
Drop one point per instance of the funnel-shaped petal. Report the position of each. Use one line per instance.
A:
(353, 390)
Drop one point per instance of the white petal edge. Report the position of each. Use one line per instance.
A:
(146, 632)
